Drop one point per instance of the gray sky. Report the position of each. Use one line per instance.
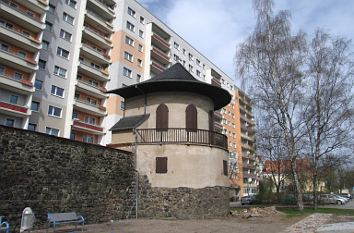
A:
(216, 27)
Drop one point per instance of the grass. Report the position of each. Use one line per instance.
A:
(293, 212)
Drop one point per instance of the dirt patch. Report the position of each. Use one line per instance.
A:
(256, 212)
(337, 219)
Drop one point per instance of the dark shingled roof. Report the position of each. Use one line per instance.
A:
(129, 122)
(176, 78)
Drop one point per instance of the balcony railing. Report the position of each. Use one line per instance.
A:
(182, 136)
(88, 126)
(103, 36)
(13, 53)
(19, 32)
(13, 107)
(20, 10)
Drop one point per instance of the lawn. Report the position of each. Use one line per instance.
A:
(293, 212)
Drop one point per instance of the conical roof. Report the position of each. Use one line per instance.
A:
(176, 78)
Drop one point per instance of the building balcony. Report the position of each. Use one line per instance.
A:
(217, 116)
(18, 39)
(95, 91)
(246, 119)
(89, 70)
(96, 37)
(181, 136)
(160, 42)
(157, 68)
(19, 86)
(10, 58)
(247, 137)
(37, 5)
(250, 157)
(160, 56)
(247, 147)
(101, 9)
(21, 17)
(86, 107)
(250, 175)
(85, 127)
(246, 110)
(249, 166)
(95, 55)
(99, 22)
(14, 109)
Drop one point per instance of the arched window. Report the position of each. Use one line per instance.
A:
(191, 118)
(162, 117)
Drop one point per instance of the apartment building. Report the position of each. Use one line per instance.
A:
(143, 46)
(54, 64)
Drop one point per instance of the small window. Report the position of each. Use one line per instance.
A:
(141, 34)
(51, 8)
(161, 165)
(4, 47)
(2, 70)
(127, 72)
(52, 131)
(91, 101)
(88, 139)
(128, 56)
(90, 120)
(176, 45)
(198, 73)
(45, 45)
(138, 78)
(68, 18)
(191, 118)
(54, 111)
(131, 12)
(48, 26)
(72, 136)
(22, 54)
(225, 168)
(175, 57)
(142, 19)
(25, 33)
(191, 69)
(197, 61)
(42, 64)
(9, 122)
(122, 105)
(38, 84)
(65, 35)
(130, 26)
(140, 48)
(13, 99)
(57, 91)
(162, 117)
(35, 106)
(63, 53)
(129, 41)
(71, 3)
(32, 127)
(140, 62)
(59, 71)
(18, 76)
(74, 115)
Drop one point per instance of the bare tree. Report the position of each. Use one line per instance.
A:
(271, 60)
(328, 109)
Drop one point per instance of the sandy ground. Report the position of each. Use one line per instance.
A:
(223, 225)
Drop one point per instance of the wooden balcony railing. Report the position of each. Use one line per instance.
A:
(181, 136)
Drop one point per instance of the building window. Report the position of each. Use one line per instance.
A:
(35, 106)
(62, 52)
(198, 73)
(18, 76)
(138, 78)
(88, 139)
(51, 8)
(140, 62)
(225, 168)
(45, 45)
(48, 26)
(77, 96)
(131, 12)
(9, 122)
(72, 136)
(161, 165)
(71, 3)
(191, 118)
(198, 62)
(13, 99)
(25, 33)
(4, 47)
(32, 127)
(38, 84)
(176, 45)
(130, 26)
(22, 54)
(175, 57)
(2, 70)
(162, 117)
(90, 120)
(140, 48)
(59, 71)
(54, 111)
(141, 34)
(52, 131)
(190, 56)
(91, 101)
(68, 18)
(142, 19)
(129, 41)
(128, 56)
(127, 72)
(57, 91)
(122, 105)
(191, 69)
(42, 64)
(65, 35)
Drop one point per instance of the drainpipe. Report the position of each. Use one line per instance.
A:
(145, 97)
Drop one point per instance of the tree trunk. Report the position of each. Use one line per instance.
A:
(314, 182)
(298, 191)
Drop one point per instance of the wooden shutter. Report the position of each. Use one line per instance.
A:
(191, 118)
(162, 117)
(161, 164)
(224, 163)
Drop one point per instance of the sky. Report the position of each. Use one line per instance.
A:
(216, 27)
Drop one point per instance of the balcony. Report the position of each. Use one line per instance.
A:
(247, 147)
(95, 55)
(247, 137)
(160, 56)
(18, 39)
(250, 175)
(160, 42)
(157, 68)
(89, 70)
(19, 86)
(86, 107)
(99, 22)
(249, 166)
(95, 91)
(251, 157)
(102, 9)
(37, 5)
(21, 17)
(13, 109)
(96, 37)
(10, 58)
(83, 126)
(182, 136)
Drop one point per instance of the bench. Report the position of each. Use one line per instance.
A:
(56, 219)
(4, 225)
